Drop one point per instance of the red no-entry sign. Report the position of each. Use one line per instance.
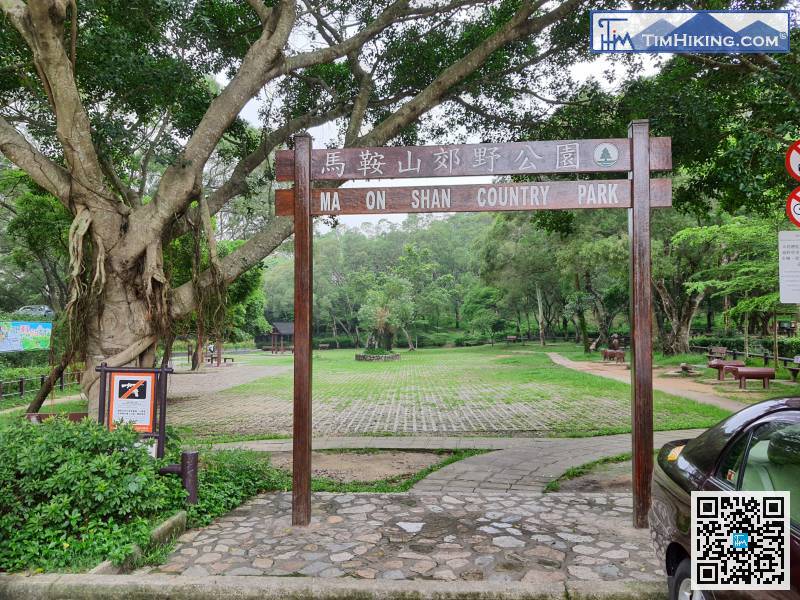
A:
(793, 206)
(793, 160)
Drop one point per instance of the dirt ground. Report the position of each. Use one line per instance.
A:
(610, 477)
(358, 466)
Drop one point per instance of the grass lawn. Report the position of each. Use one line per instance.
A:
(14, 400)
(504, 389)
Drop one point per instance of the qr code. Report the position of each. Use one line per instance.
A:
(740, 541)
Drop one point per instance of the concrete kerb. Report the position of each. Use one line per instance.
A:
(174, 587)
(165, 531)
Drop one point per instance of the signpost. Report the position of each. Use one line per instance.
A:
(637, 156)
(793, 160)
(137, 396)
(793, 206)
(789, 266)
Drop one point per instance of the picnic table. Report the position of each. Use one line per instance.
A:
(720, 364)
(745, 373)
(717, 352)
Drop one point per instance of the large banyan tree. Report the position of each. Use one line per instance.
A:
(120, 109)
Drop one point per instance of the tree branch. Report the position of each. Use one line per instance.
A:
(236, 184)
(41, 169)
(181, 181)
(518, 26)
(41, 25)
(234, 264)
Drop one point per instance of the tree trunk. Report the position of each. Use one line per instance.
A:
(775, 338)
(408, 339)
(121, 334)
(584, 332)
(677, 339)
(541, 314)
(56, 372)
(746, 335)
(167, 351)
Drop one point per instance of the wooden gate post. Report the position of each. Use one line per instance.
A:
(303, 277)
(641, 321)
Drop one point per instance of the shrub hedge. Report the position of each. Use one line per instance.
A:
(788, 347)
(75, 494)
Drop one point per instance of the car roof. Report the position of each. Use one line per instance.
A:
(704, 450)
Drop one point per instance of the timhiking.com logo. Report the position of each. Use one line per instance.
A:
(711, 32)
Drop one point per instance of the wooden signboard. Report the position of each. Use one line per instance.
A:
(637, 156)
(546, 195)
(518, 158)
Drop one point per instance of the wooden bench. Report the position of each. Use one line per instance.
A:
(324, 346)
(720, 365)
(719, 352)
(793, 371)
(227, 358)
(510, 339)
(745, 373)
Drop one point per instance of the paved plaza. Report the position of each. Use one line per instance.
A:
(463, 391)
(505, 537)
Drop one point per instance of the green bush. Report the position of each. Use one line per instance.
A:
(26, 359)
(228, 478)
(376, 352)
(788, 347)
(431, 340)
(74, 494)
(340, 341)
(470, 340)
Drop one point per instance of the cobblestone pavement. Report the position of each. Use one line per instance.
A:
(503, 537)
(454, 392)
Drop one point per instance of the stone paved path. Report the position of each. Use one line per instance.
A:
(530, 467)
(187, 384)
(520, 464)
(678, 387)
(474, 537)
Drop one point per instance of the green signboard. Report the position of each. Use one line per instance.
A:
(17, 336)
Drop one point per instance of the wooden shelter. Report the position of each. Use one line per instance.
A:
(282, 337)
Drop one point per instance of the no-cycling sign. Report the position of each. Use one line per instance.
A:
(793, 168)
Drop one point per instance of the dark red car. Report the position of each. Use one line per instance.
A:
(734, 455)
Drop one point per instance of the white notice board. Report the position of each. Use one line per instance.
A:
(789, 266)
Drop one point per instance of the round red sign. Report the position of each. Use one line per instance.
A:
(793, 160)
(793, 206)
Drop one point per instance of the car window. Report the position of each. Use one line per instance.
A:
(731, 465)
(773, 462)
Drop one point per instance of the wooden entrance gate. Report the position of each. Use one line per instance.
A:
(637, 155)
